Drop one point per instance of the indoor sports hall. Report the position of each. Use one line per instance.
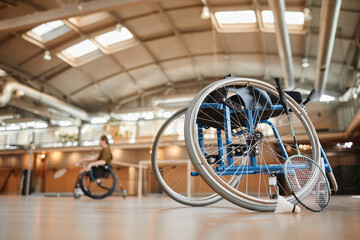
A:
(192, 119)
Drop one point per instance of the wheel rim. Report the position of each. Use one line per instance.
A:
(98, 187)
(172, 166)
(242, 195)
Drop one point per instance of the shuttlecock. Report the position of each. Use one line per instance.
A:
(284, 206)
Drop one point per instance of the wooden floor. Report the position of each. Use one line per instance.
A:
(39, 217)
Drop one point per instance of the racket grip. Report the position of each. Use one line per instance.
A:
(309, 97)
(282, 96)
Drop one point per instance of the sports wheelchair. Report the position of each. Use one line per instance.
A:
(98, 183)
(237, 140)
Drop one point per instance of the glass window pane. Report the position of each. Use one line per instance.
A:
(236, 17)
(295, 18)
(114, 36)
(45, 28)
(81, 49)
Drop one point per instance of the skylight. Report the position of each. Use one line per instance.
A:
(296, 18)
(291, 17)
(81, 49)
(113, 37)
(267, 16)
(45, 28)
(47, 31)
(235, 17)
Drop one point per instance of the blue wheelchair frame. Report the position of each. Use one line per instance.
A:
(227, 168)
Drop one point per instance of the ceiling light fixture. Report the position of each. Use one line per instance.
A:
(305, 63)
(205, 13)
(3, 73)
(118, 27)
(47, 56)
(307, 14)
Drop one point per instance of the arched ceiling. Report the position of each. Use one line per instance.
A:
(174, 51)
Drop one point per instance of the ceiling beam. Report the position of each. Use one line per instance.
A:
(178, 58)
(9, 3)
(221, 37)
(351, 54)
(92, 39)
(69, 10)
(76, 91)
(283, 42)
(263, 39)
(134, 97)
(330, 11)
(28, 79)
(341, 9)
(38, 110)
(143, 43)
(307, 44)
(181, 39)
(95, 83)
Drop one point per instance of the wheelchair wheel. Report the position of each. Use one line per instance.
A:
(172, 166)
(241, 123)
(77, 192)
(99, 182)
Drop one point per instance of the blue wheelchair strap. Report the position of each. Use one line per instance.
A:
(91, 175)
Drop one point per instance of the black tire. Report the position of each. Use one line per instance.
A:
(200, 194)
(98, 187)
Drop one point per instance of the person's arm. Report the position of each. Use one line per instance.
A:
(94, 164)
(89, 158)
(100, 160)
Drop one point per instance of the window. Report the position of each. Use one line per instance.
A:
(116, 40)
(294, 20)
(115, 36)
(267, 16)
(291, 18)
(45, 28)
(236, 17)
(235, 21)
(48, 31)
(80, 53)
(81, 49)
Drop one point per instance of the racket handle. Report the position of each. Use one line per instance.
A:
(310, 96)
(282, 96)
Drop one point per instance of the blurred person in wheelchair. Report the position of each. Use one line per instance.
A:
(104, 157)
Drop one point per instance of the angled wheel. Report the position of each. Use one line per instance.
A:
(173, 168)
(77, 192)
(99, 182)
(241, 123)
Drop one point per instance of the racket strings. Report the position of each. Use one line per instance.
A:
(308, 183)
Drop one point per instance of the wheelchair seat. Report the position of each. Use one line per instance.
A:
(241, 99)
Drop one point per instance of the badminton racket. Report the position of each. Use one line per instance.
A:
(305, 178)
(308, 183)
